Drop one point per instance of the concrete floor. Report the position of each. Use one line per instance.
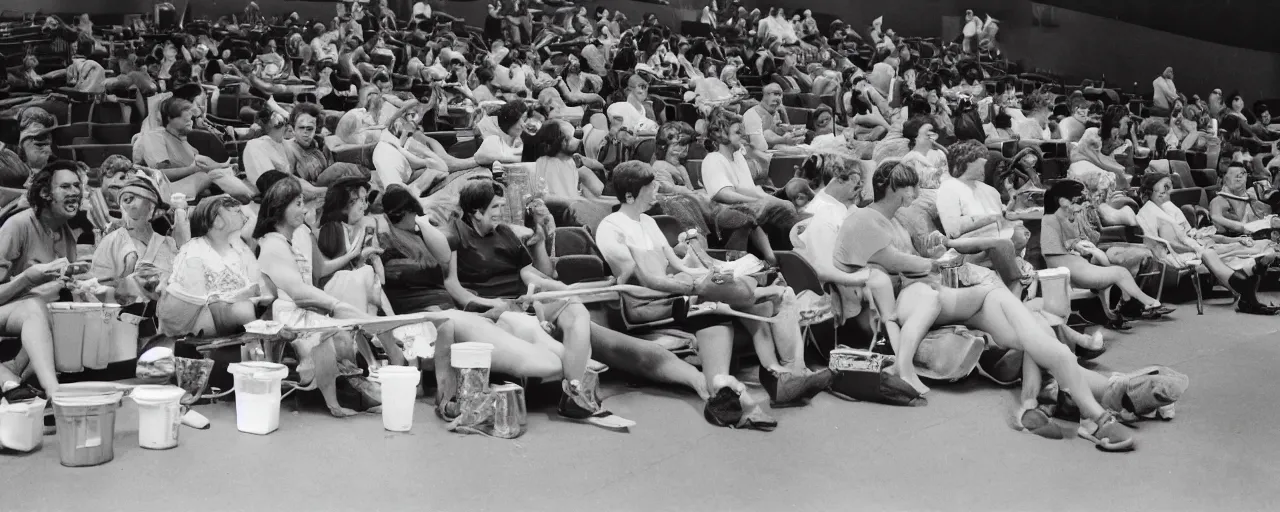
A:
(957, 453)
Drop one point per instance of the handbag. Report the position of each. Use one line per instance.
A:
(863, 375)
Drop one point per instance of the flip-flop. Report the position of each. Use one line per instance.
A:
(606, 420)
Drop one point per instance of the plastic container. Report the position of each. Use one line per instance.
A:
(399, 392)
(159, 415)
(470, 355)
(257, 386)
(124, 338)
(22, 425)
(86, 426)
(82, 335)
(1055, 288)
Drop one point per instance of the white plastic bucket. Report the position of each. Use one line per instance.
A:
(86, 426)
(257, 386)
(124, 338)
(399, 390)
(82, 335)
(470, 355)
(159, 415)
(1055, 288)
(22, 425)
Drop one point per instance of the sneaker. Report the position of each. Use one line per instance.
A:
(23, 393)
(576, 405)
(1107, 434)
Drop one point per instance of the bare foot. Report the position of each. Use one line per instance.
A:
(341, 412)
(596, 366)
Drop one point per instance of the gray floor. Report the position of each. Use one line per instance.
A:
(958, 453)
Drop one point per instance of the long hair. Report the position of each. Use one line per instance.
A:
(671, 134)
(332, 239)
(550, 141)
(275, 202)
(1064, 189)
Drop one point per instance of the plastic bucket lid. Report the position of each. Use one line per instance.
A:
(470, 355)
(153, 395)
(259, 370)
(78, 398)
(407, 374)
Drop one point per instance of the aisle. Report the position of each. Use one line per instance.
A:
(955, 454)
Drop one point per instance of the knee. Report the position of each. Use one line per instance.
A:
(32, 310)
(877, 280)
(575, 316)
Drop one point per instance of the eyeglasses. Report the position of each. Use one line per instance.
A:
(1080, 200)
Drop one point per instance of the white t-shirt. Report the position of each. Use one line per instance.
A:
(498, 149)
(389, 165)
(643, 234)
(263, 154)
(956, 200)
(816, 237)
(719, 173)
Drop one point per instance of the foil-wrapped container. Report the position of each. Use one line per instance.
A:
(510, 415)
(472, 382)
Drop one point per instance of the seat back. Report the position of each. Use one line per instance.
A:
(670, 227)
(799, 274)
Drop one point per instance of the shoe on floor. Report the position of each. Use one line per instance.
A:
(578, 405)
(793, 388)
(725, 409)
(1107, 434)
(1145, 393)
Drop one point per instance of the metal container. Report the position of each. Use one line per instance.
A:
(509, 414)
(949, 268)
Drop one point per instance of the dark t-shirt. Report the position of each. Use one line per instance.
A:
(415, 281)
(490, 265)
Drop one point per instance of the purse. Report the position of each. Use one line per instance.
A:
(862, 375)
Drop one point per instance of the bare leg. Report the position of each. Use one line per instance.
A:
(575, 322)
(324, 371)
(918, 308)
(645, 359)
(29, 319)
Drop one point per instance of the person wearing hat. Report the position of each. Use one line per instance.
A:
(134, 258)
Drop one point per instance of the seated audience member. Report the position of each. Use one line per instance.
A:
(507, 147)
(288, 264)
(492, 262)
(348, 243)
(216, 283)
(971, 210)
(394, 165)
(926, 156)
(308, 157)
(1229, 258)
(35, 247)
(33, 153)
(870, 237)
(728, 181)
(361, 125)
(1186, 134)
(1035, 125)
(637, 251)
(816, 237)
(267, 152)
(184, 168)
(636, 111)
(565, 177)
(1263, 128)
(134, 258)
(1237, 204)
(1073, 127)
(766, 126)
(1102, 177)
(1063, 245)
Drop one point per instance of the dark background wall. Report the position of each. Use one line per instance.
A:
(1080, 45)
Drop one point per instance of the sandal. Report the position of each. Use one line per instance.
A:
(576, 404)
(1118, 324)
(1107, 434)
(22, 393)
